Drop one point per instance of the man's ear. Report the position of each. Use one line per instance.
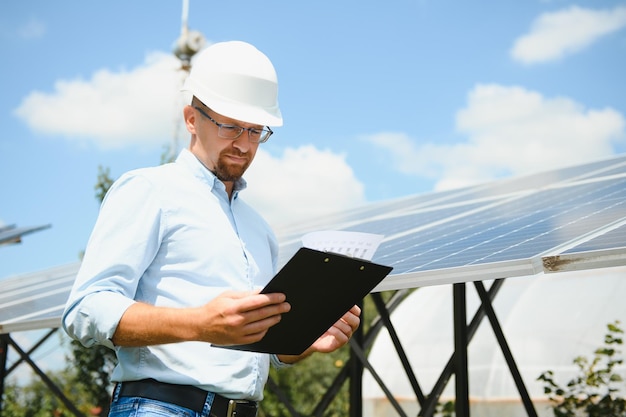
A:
(189, 115)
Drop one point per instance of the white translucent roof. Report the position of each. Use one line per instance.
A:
(547, 320)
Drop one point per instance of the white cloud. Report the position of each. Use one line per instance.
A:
(553, 35)
(510, 131)
(142, 107)
(112, 109)
(300, 184)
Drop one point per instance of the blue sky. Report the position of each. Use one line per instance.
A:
(381, 100)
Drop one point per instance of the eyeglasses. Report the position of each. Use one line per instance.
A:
(233, 132)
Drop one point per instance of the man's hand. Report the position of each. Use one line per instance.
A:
(334, 338)
(235, 318)
(231, 318)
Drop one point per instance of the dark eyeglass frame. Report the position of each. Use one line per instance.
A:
(264, 134)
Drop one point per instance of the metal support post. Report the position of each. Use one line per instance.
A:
(4, 349)
(460, 351)
(356, 374)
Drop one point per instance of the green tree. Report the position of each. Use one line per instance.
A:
(92, 374)
(594, 391)
(104, 182)
(36, 400)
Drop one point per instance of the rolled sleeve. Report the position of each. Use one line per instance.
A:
(95, 319)
(119, 250)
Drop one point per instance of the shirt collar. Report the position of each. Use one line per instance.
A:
(187, 159)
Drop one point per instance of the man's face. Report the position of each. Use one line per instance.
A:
(227, 158)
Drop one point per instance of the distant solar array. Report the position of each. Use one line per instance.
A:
(13, 234)
(570, 218)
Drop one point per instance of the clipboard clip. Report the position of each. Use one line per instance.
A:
(326, 260)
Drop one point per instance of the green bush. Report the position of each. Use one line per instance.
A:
(594, 391)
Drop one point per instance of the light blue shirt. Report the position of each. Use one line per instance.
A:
(169, 236)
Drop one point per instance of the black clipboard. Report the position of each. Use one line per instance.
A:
(321, 287)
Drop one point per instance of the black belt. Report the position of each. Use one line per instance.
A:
(189, 397)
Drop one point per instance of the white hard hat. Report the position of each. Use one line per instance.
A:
(238, 81)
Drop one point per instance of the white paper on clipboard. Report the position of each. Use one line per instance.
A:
(355, 244)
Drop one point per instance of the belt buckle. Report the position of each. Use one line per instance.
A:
(232, 408)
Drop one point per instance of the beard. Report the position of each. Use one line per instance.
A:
(226, 171)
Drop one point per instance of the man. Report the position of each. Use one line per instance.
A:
(176, 258)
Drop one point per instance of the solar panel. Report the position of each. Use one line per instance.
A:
(35, 300)
(572, 218)
(495, 230)
(12, 233)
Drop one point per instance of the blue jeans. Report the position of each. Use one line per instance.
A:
(144, 407)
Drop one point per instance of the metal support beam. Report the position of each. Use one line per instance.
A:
(25, 357)
(428, 410)
(386, 319)
(4, 353)
(356, 375)
(506, 351)
(32, 350)
(4, 347)
(360, 353)
(461, 341)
